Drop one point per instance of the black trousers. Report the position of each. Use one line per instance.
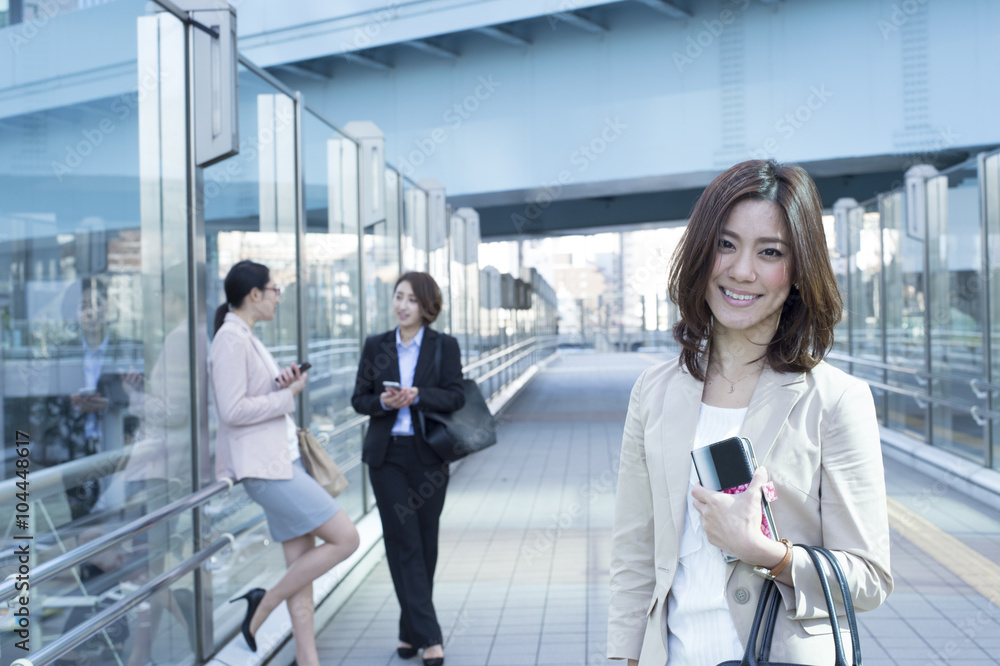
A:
(410, 496)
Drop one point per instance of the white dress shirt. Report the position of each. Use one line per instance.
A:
(701, 629)
(408, 355)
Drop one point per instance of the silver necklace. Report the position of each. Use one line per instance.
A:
(732, 384)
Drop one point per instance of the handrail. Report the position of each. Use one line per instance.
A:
(979, 415)
(497, 355)
(847, 358)
(508, 350)
(509, 363)
(65, 475)
(79, 554)
(95, 623)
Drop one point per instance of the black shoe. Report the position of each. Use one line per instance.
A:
(406, 652)
(436, 661)
(253, 598)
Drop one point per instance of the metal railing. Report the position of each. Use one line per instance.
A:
(507, 358)
(979, 387)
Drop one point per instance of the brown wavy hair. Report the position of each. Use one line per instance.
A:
(427, 292)
(813, 306)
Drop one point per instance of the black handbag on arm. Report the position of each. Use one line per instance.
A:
(770, 603)
(457, 434)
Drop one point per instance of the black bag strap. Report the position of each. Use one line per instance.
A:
(845, 592)
(768, 608)
(749, 658)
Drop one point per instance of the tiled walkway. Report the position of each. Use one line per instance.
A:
(523, 571)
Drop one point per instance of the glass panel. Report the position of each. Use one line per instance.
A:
(472, 291)
(459, 302)
(905, 315)
(248, 215)
(956, 303)
(414, 227)
(437, 233)
(381, 246)
(333, 305)
(991, 216)
(94, 352)
(841, 272)
(866, 302)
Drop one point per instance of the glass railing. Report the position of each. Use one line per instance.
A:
(921, 294)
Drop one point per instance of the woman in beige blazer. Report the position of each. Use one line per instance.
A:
(257, 444)
(758, 302)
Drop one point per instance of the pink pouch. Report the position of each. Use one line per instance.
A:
(769, 493)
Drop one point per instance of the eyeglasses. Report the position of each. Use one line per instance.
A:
(276, 290)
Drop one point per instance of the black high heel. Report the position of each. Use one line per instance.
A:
(253, 598)
(433, 661)
(406, 652)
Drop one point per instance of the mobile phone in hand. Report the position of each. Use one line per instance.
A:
(394, 385)
(728, 467)
(302, 368)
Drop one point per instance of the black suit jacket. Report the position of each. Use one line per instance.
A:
(380, 362)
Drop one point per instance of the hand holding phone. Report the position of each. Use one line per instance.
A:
(728, 467)
(302, 368)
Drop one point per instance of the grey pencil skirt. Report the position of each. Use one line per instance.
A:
(293, 506)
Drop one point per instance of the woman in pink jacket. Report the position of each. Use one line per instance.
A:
(257, 443)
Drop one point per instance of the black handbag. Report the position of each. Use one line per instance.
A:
(767, 615)
(457, 434)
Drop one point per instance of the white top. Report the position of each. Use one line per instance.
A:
(408, 355)
(293, 432)
(701, 630)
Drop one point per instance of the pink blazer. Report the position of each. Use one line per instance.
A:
(252, 435)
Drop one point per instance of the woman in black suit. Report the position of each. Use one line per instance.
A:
(408, 478)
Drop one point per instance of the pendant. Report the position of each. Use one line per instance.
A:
(732, 388)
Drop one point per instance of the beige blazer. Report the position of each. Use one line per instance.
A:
(817, 435)
(252, 438)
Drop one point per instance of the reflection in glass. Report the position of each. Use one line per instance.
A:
(956, 306)
(905, 310)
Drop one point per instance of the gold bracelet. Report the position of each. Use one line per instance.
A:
(771, 573)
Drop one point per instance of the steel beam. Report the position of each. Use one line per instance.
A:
(669, 8)
(502, 35)
(433, 49)
(578, 21)
(364, 60)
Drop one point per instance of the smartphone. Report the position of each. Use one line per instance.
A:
(394, 385)
(86, 391)
(302, 368)
(728, 467)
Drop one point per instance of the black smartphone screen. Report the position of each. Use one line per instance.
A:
(723, 465)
